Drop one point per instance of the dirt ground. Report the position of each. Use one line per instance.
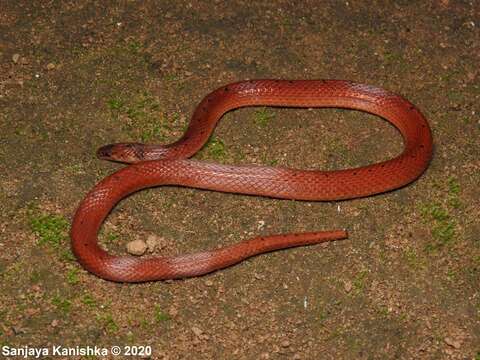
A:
(75, 75)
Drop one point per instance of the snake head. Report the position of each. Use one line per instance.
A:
(128, 153)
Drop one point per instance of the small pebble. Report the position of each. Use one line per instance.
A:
(15, 58)
(152, 242)
(196, 331)
(348, 286)
(51, 66)
(285, 343)
(136, 247)
(452, 342)
(209, 282)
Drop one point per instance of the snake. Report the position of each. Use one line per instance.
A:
(171, 165)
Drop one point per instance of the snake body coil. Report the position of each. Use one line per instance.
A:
(169, 165)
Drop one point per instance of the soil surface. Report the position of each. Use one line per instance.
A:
(75, 75)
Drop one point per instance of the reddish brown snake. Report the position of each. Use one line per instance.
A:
(175, 169)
